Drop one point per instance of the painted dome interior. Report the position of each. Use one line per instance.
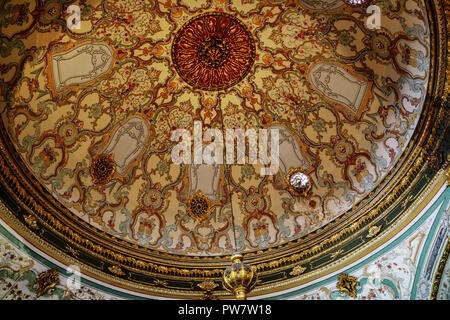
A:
(92, 108)
(345, 100)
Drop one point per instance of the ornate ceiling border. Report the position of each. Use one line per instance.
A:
(50, 227)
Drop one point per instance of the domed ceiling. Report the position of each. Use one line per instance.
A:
(92, 107)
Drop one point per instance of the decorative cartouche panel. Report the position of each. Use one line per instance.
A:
(79, 64)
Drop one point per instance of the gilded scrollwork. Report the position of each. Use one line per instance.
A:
(31, 221)
(117, 270)
(46, 282)
(373, 231)
(297, 270)
(347, 284)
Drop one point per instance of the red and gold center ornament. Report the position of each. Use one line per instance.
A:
(213, 51)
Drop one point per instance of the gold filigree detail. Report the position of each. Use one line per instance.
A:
(117, 270)
(199, 206)
(160, 282)
(46, 281)
(208, 285)
(103, 168)
(104, 250)
(295, 181)
(72, 251)
(192, 272)
(373, 231)
(31, 221)
(347, 284)
(337, 253)
(208, 295)
(297, 270)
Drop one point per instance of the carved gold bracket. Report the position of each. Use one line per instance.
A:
(347, 284)
(46, 281)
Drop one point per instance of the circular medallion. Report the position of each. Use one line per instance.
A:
(103, 168)
(68, 132)
(199, 206)
(213, 51)
(298, 182)
(381, 44)
(52, 11)
(153, 198)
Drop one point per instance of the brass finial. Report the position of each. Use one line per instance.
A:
(239, 278)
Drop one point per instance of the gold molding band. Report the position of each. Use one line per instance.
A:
(439, 272)
(446, 95)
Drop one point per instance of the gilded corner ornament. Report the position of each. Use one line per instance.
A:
(46, 281)
(347, 284)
